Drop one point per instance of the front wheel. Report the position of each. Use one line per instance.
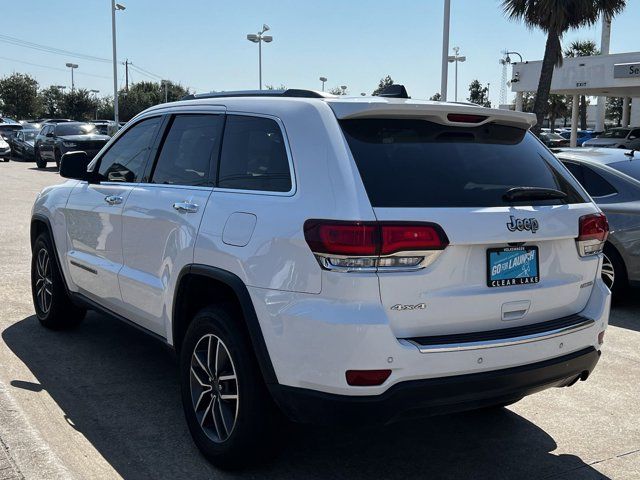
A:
(54, 308)
(40, 163)
(228, 409)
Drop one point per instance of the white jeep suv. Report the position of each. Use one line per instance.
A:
(331, 259)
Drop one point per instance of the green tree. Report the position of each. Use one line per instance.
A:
(528, 100)
(143, 95)
(79, 105)
(582, 48)
(51, 100)
(384, 83)
(104, 108)
(613, 110)
(338, 91)
(555, 18)
(19, 96)
(478, 94)
(557, 109)
(273, 87)
(436, 97)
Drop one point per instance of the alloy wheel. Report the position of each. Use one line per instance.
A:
(214, 388)
(608, 272)
(44, 281)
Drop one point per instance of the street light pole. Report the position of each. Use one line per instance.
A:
(115, 6)
(72, 66)
(259, 38)
(95, 94)
(445, 50)
(457, 59)
(323, 79)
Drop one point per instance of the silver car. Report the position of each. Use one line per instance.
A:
(616, 138)
(612, 178)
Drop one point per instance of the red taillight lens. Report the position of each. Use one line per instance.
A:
(465, 118)
(593, 227)
(411, 238)
(342, 238)
(367, 378)
(372, 238)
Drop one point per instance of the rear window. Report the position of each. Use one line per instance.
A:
(631, 168)
(63, 129)
(416, 163)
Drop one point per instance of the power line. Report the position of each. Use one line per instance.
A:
(52, 68)
(68, 53)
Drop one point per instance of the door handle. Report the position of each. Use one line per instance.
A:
(185, 207)
(113, 199)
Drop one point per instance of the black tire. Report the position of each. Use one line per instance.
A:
(249, 437)
(619, 284)
(40, 163)
(54, 308)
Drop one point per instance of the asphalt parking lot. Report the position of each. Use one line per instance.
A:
(103, 401)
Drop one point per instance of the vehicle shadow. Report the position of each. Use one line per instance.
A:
(119, 388)
(45, 169)
(627, 311)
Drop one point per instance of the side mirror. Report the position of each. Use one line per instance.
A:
(74, 165)
(49, 134)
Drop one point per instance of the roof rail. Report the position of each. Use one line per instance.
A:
(289, 92)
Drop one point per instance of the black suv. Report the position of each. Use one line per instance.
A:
(56, 139)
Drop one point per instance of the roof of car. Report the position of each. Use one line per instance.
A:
(345, 107)
(604, 156)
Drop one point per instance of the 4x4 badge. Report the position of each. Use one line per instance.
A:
(523, 224)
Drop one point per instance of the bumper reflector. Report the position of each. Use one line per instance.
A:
(367, 378)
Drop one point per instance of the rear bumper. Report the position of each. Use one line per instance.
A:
(437, 395)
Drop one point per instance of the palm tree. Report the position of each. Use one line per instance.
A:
(557, 109)
(582, 48)
(555, 17)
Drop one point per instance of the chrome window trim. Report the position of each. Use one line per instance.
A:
(503, 342)
(287, 147)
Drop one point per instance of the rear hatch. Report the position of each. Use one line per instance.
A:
(505, 259)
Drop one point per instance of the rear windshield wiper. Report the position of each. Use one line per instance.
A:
(516, 194)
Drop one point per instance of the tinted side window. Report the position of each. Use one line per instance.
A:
(592, 182)
(126, 158)
(186, 153)
(635, 133)
(253, 155)
(595, 185)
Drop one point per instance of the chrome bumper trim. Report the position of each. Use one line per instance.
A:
(503, 342)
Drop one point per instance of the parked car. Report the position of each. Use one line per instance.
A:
(7, 130)
(22, 143)
(612, 178)
(7, 120)
(583, 136)
(55, 139)
(553, 140)
(617, 138)
(334, 259)
(5, 150)
(106, 127)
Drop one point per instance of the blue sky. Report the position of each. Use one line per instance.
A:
(202, 44)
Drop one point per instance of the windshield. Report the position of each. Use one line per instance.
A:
(629, 167)
(416, 163)
(615, 133)
(30, 135)
(63, 129)
(553, 136)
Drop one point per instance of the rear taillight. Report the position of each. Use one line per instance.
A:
(374, 246)
(366, 378)
(592, 234)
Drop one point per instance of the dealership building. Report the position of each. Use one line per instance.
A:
(611, 75)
